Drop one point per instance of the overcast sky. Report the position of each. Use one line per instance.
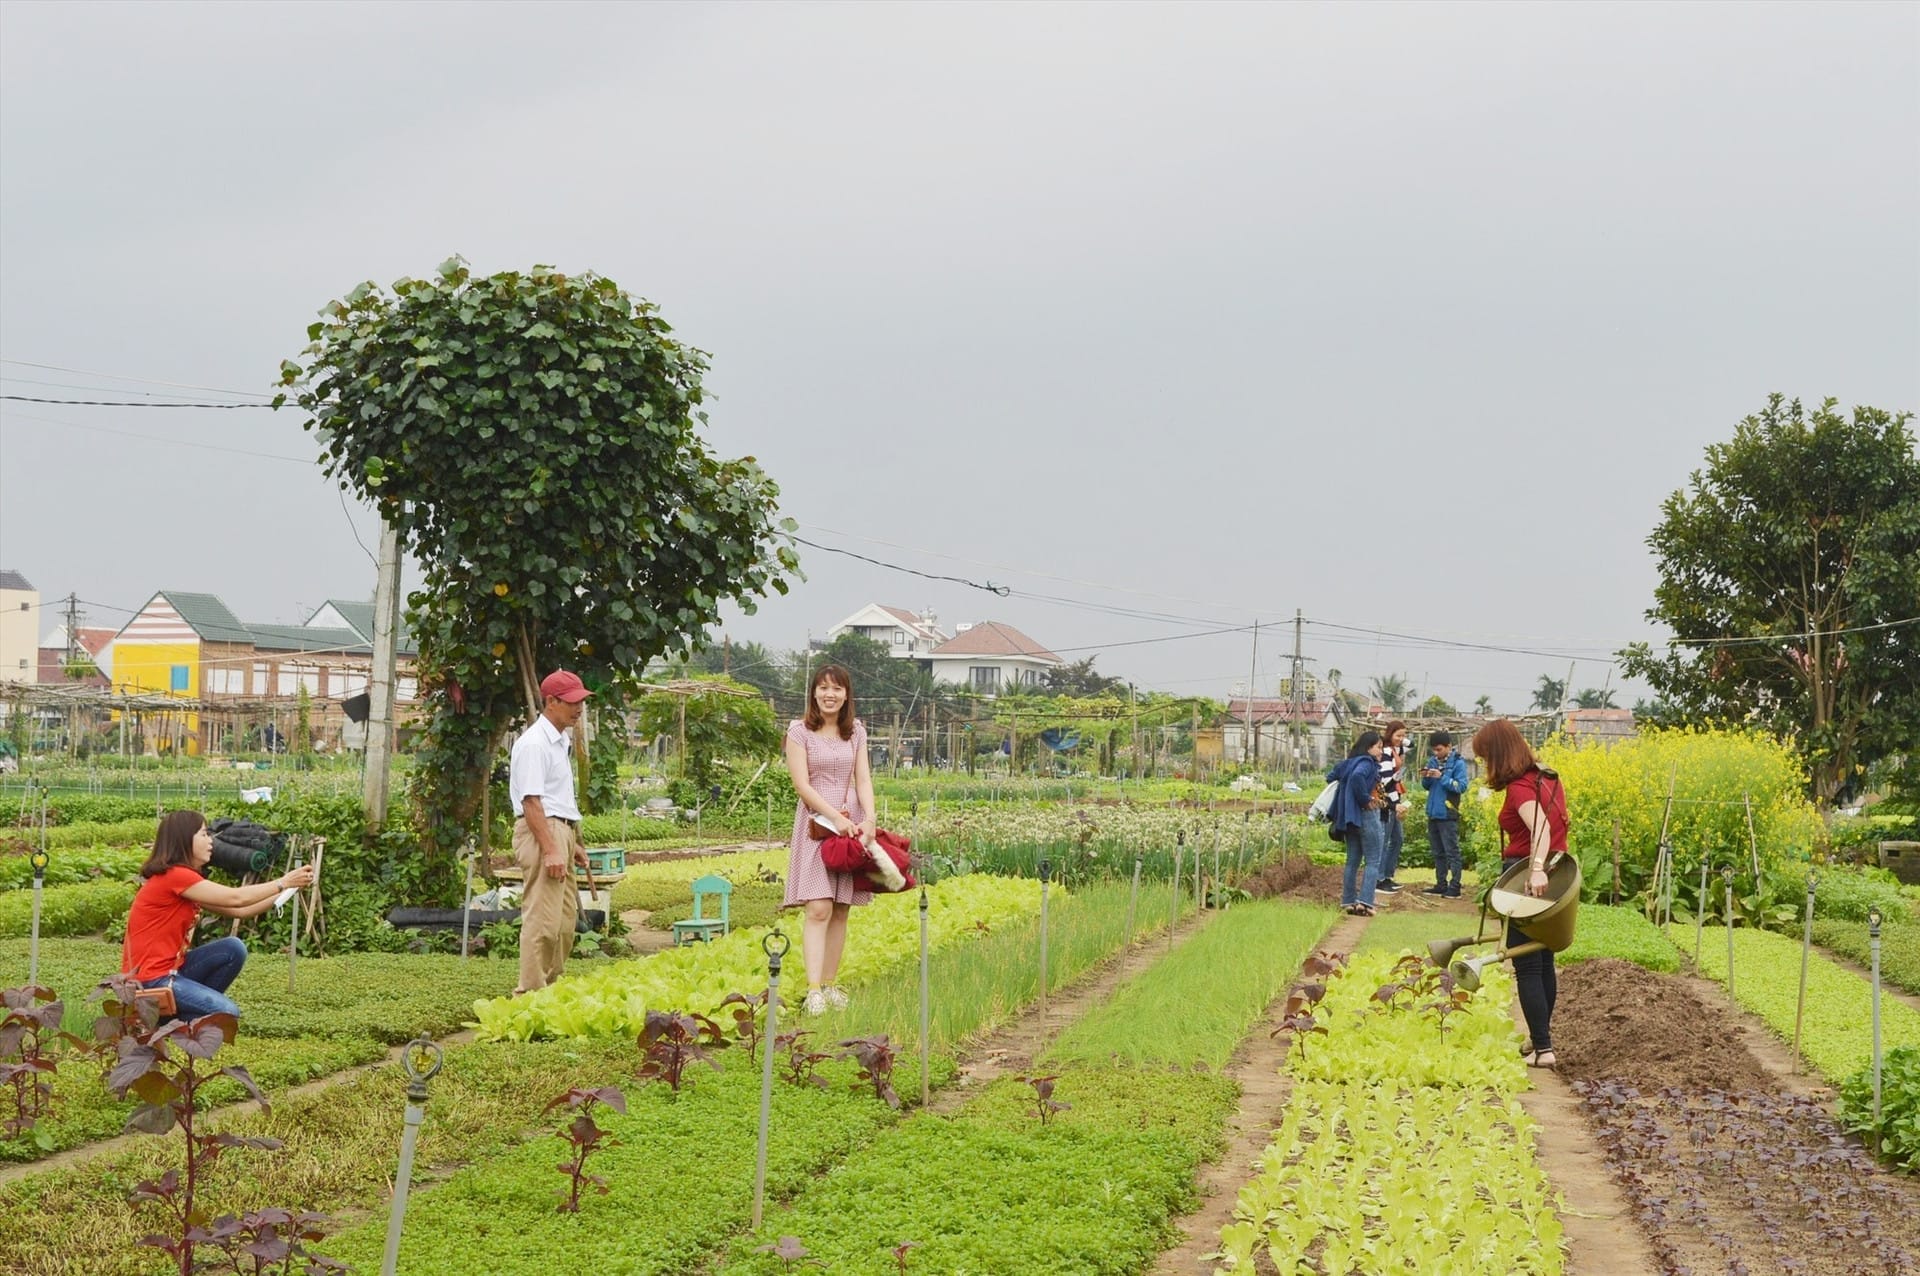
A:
(1406, 316)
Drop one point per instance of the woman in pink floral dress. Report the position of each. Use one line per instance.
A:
(827, 757)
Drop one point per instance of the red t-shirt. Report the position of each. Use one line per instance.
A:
(160, 924)
(1552, 797)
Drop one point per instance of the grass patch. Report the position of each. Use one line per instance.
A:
(1195, 1004)
(662, 884)
(681, 1180)
(84, 1111)
(1602, 930)
(1397, 932)
(992, 1190)
(1837, 1037)
(1899, 948)
(977, 986)
(340, 1152)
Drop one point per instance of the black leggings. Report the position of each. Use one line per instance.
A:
(1533, 973)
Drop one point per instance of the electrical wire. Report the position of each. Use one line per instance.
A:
(127, 403)
(989, 587)
(13, 415)
(117, 376)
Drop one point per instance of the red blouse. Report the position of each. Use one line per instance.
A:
(1551, 794)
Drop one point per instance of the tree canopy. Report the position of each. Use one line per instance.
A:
(534, 439)
(1788, 577)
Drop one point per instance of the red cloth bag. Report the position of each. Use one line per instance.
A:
(847, 855)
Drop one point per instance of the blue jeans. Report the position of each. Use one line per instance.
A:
(1444, 837)
(1395, 830)
(1365, 840)
(200, 985)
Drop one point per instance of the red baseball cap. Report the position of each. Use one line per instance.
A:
(561, 685)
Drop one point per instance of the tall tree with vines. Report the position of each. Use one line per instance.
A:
(535, 439)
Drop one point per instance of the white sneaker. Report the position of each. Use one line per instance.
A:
(816, 1003)
(835, 998)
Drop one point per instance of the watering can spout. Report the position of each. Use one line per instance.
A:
(1441, 951)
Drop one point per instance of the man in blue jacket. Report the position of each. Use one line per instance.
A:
(1445, 779)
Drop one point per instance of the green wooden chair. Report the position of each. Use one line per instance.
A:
(699, 926)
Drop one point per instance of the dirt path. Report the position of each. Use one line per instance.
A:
(1603, 1238)
(73, 1157)
(1013, 1047)
(1257, 1067)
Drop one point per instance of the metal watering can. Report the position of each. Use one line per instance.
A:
(1546, 920)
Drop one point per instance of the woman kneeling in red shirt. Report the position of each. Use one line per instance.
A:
(168, 904)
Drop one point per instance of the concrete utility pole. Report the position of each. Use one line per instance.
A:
(73, 662)
(1296, 700)
(1252, 752)
(386, 634)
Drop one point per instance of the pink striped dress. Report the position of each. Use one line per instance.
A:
(830, 772)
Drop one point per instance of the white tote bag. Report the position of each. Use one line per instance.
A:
(1322, 807)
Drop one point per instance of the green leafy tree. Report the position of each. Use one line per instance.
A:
(303, 724)
(1595, 698)
(1435, 707)
(729, 720)
(534, 439)
(1393, 691)
(1483, 704)
(1788, 577)
(750, 662)
(1079, 678)
(1550, 693)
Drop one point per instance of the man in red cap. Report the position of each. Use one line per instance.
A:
(547, 833)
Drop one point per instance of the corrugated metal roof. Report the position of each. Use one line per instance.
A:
(308, 638)
(10, 579)
(207, 616)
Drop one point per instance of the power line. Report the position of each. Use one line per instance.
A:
(127, 403)
(989, 587)
(1808, 635)
(149, 438)
(116, 376)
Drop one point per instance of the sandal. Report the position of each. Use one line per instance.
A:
(1541, 1059)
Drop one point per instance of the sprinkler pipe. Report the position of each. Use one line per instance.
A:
(417, 1078)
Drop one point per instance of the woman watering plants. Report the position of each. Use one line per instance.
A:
(1534, 821)
(827, 757)
(1355, 816)
(167, 905)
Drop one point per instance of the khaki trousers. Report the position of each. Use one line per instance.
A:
(548, 906)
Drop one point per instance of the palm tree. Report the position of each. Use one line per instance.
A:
(1549, 694)
(1392, 690)
(1595, 698)
(1484, 705)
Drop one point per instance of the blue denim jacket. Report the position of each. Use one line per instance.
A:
(1452, 782)
(1357, 778)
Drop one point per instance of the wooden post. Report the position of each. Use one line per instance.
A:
(1616, 862)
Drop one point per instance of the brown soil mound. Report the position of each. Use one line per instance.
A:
(1614, 1019)
(1298, 878)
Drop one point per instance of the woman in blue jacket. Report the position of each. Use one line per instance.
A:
(1355, 817)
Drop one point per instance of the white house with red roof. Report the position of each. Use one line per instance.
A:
(905, 635)
(989, 657)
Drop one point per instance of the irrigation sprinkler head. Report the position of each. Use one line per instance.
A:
(775, 944)
(421, 1060)
(38, 860)
(1873, 923)
(1726, 874)
(1046, 869)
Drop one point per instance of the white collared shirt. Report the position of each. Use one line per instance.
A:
(542, 769)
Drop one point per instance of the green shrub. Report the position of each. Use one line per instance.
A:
(1898, 1133)
(64, 868)
(101, 808)
(1626, 781)
(81, 909)
(128, 832)
(1844, 893)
